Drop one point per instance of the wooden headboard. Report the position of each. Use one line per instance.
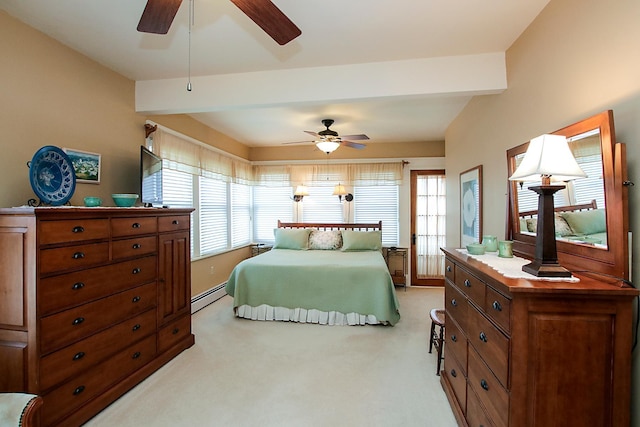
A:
(571, 208)
(329, 226)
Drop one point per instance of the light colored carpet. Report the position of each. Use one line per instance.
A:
(249, 373)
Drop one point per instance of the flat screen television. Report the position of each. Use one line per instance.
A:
(150, 178)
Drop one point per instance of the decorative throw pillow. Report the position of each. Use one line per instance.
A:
(361, 240)
(294, 238)
(562, 227)
(586, 222)
(325, 240)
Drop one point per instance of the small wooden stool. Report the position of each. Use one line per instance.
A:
(437, 337)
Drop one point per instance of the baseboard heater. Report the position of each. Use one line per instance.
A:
(207, 297)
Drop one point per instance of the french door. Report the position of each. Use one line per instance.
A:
(428, 216)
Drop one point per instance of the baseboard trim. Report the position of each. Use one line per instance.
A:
(207, 297)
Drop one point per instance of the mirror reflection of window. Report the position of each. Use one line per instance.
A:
(586, 150)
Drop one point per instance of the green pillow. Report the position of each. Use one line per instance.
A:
(586, 222)
(361, 240)
(291, 238)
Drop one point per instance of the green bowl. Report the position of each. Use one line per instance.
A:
(476, 249)
(92, 201)
(124, 200)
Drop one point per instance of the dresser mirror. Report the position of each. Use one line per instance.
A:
(591, 213)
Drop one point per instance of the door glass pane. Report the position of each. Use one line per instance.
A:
(430, 225)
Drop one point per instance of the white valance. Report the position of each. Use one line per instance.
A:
(183, 155)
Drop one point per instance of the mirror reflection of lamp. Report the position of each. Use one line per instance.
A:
(547, 159)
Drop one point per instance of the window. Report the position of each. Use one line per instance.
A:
(177, 192)
(375, 203)
(241, 215)
(213, 216)
(222, 219)
(321, 206)
(270, 204)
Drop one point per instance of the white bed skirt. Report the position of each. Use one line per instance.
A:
(301, 315)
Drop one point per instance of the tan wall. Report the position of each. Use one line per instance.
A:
(372, 151)
(578, 58)
(51, 95)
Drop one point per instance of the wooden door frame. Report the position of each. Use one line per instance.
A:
(414, 179)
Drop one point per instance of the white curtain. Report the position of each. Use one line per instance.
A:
(181, 154)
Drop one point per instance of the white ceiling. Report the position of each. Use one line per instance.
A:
(228, 50)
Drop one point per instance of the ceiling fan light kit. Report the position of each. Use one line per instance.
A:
(327, 146)
(329, 140)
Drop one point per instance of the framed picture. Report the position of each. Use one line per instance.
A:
(471, 206)
(85, 164)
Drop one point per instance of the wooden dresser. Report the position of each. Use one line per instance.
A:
(92, 301)
(535, 353)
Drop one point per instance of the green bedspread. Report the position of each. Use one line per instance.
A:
(347, 282)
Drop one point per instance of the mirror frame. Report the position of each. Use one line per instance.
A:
(614, 260)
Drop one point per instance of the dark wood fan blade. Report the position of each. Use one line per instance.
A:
(355, 145)
(312, 133)
(158, 16)
(297, 142)
(270, 19)
(354, 137)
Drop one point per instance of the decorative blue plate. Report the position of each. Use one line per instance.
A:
(52, 176)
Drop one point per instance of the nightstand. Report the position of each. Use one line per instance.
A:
(396, 259)
(260, 248)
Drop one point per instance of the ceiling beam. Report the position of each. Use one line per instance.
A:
(466, 75)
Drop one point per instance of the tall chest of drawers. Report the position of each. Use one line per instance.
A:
(92, 301)
(535, 353)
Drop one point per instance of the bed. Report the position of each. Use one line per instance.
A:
(583, 223)
(331, 274)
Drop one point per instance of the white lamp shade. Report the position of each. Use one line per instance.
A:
(327, 146)
(301, 190)
(548, 155)
(339, 190)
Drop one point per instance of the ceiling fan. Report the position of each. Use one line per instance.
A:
(158, 16)
(328, 140)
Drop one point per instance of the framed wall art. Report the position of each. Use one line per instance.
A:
(85, 164)
(471, 206)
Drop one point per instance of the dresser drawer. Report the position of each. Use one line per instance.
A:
(174, 332)
(490, 343)
(455, 304)
(476, 415)
(136, 246)
(71, 325)
(72, 230)
(457, 379)
(69, 396)
(498, 307)
(70, 257)
(490, 392)
(470, 285)
(121, 227)
(173, 223)
(456, 343)
(68, 290)
(77, 357)
(449, 270)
